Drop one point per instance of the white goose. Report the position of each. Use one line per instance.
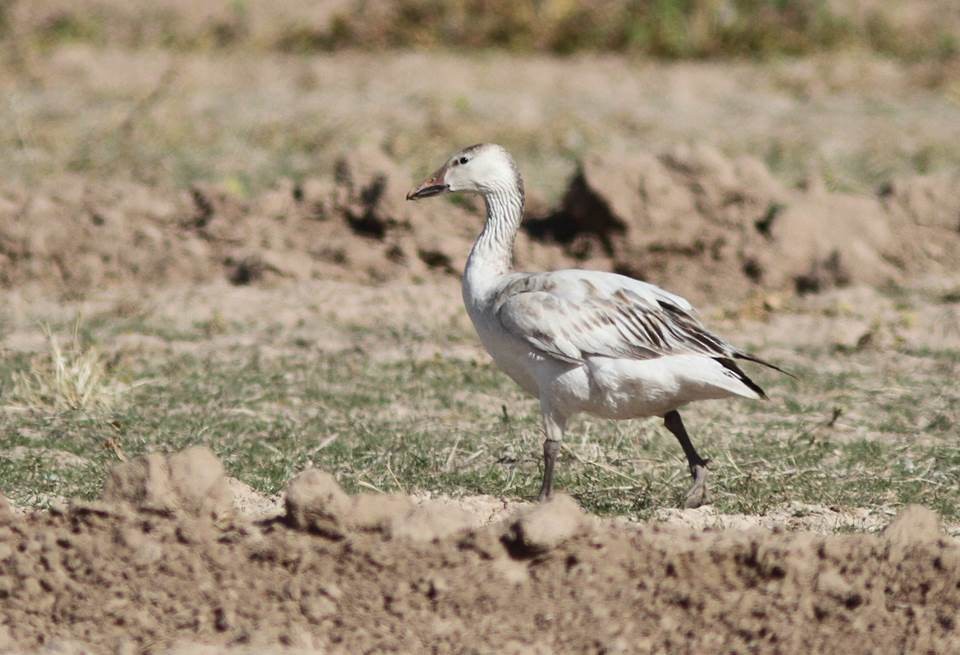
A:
(583, 341)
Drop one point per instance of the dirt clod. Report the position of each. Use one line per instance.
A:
(915, 524)
(191, 480)
(6, 511)
(378, 512)
(197, 479)
(545, 526)
(316, 502)
(428, 523)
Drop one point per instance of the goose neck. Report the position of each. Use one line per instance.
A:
(494, 247)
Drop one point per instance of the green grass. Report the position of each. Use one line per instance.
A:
(461, 427)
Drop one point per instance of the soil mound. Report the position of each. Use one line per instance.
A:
(342, 574)
(703, 224)
(709, 224)
(72, 235)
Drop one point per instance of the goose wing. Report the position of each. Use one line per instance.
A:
(574, 315)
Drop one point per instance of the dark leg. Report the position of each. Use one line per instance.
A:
(697, 495)
(553, 427)
(550, 449)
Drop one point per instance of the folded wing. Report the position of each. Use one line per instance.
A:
(574, 315)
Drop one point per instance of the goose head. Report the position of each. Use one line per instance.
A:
(483, 168)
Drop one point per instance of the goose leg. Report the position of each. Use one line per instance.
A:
(553, 426)
(697, 495)
(550, 449)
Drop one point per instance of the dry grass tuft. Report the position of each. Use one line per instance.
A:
(74, 377)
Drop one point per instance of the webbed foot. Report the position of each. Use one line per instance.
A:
(698, 495)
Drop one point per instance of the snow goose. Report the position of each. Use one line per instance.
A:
(578, 340)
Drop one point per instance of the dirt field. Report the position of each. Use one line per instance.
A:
(243, 410)
(164, 563)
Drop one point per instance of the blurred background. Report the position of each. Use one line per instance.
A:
(247, 92)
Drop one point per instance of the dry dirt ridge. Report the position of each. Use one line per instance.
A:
(691, 218)
(163, 563)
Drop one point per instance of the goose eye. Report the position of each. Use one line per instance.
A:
(463, 160)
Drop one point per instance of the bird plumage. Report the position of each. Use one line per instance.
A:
(580, 340)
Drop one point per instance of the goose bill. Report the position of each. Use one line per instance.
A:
(432, 186)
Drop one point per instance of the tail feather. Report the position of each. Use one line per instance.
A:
(731, 366)
(750, 358)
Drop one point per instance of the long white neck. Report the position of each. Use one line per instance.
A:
(492, 253)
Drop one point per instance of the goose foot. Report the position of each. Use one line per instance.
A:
(697, 495)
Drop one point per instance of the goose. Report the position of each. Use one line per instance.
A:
(583, 341)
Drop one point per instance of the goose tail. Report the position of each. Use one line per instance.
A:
(751, 358)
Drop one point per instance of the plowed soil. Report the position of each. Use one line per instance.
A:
(164, 563)
(690, 218)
